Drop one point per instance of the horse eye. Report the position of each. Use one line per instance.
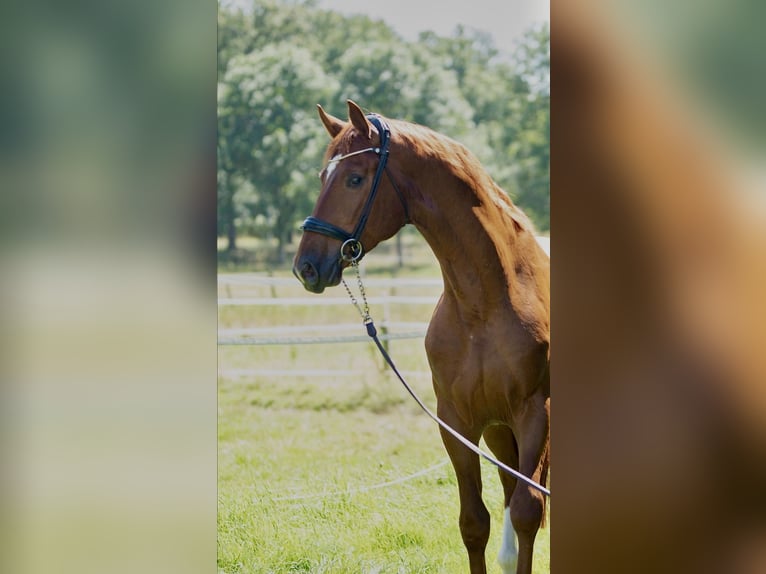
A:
(354, 180)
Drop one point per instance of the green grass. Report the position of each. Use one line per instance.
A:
(304, 431)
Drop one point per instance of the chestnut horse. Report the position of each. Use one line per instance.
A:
(488, 343)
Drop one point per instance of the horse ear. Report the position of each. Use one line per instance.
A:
(357, 117)
(332, 124)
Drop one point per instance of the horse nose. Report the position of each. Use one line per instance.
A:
(307, 273)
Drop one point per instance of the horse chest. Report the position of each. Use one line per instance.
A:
(479, 367)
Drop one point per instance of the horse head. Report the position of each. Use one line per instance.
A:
(357, 206)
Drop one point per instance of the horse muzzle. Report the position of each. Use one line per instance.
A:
(316, 275)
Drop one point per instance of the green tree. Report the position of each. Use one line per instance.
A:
(380, 76)
(235, 35)
(270, 143)
(509, 101)
(269, 134)
(440, 103)
(530, 146)
(404, 81)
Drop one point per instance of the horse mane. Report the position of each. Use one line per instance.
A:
(430, 145)
(461, 163)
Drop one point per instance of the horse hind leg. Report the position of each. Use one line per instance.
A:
(528, 503)
(501, 442)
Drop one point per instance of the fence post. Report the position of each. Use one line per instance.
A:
(386, 319)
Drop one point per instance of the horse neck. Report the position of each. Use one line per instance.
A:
(482, 241)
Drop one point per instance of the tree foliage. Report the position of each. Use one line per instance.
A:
(278, 59)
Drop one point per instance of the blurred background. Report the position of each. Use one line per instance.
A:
(658, 396)
(107, 171)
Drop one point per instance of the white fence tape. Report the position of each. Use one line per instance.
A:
(250, 336)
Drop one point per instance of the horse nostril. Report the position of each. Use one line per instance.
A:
(308, 273)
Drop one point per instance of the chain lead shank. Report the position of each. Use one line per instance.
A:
(364, 309)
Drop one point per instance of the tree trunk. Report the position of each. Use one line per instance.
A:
(280, 248)
(231, 235)
(231, 228)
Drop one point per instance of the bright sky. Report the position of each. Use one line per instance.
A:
(504, 20)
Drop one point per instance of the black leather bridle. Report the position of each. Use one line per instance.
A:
(351, 247)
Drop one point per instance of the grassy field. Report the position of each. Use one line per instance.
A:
(317, 443)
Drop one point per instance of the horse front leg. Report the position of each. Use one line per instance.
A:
(474, 517)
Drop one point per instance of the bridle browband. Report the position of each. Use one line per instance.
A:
(351, 247)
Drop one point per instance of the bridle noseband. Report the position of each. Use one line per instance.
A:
(351, 249)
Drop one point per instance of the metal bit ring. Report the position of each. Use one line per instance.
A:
(351, 250)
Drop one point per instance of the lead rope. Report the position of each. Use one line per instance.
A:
(364, 311)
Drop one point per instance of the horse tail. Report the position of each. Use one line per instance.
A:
(544, 479)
